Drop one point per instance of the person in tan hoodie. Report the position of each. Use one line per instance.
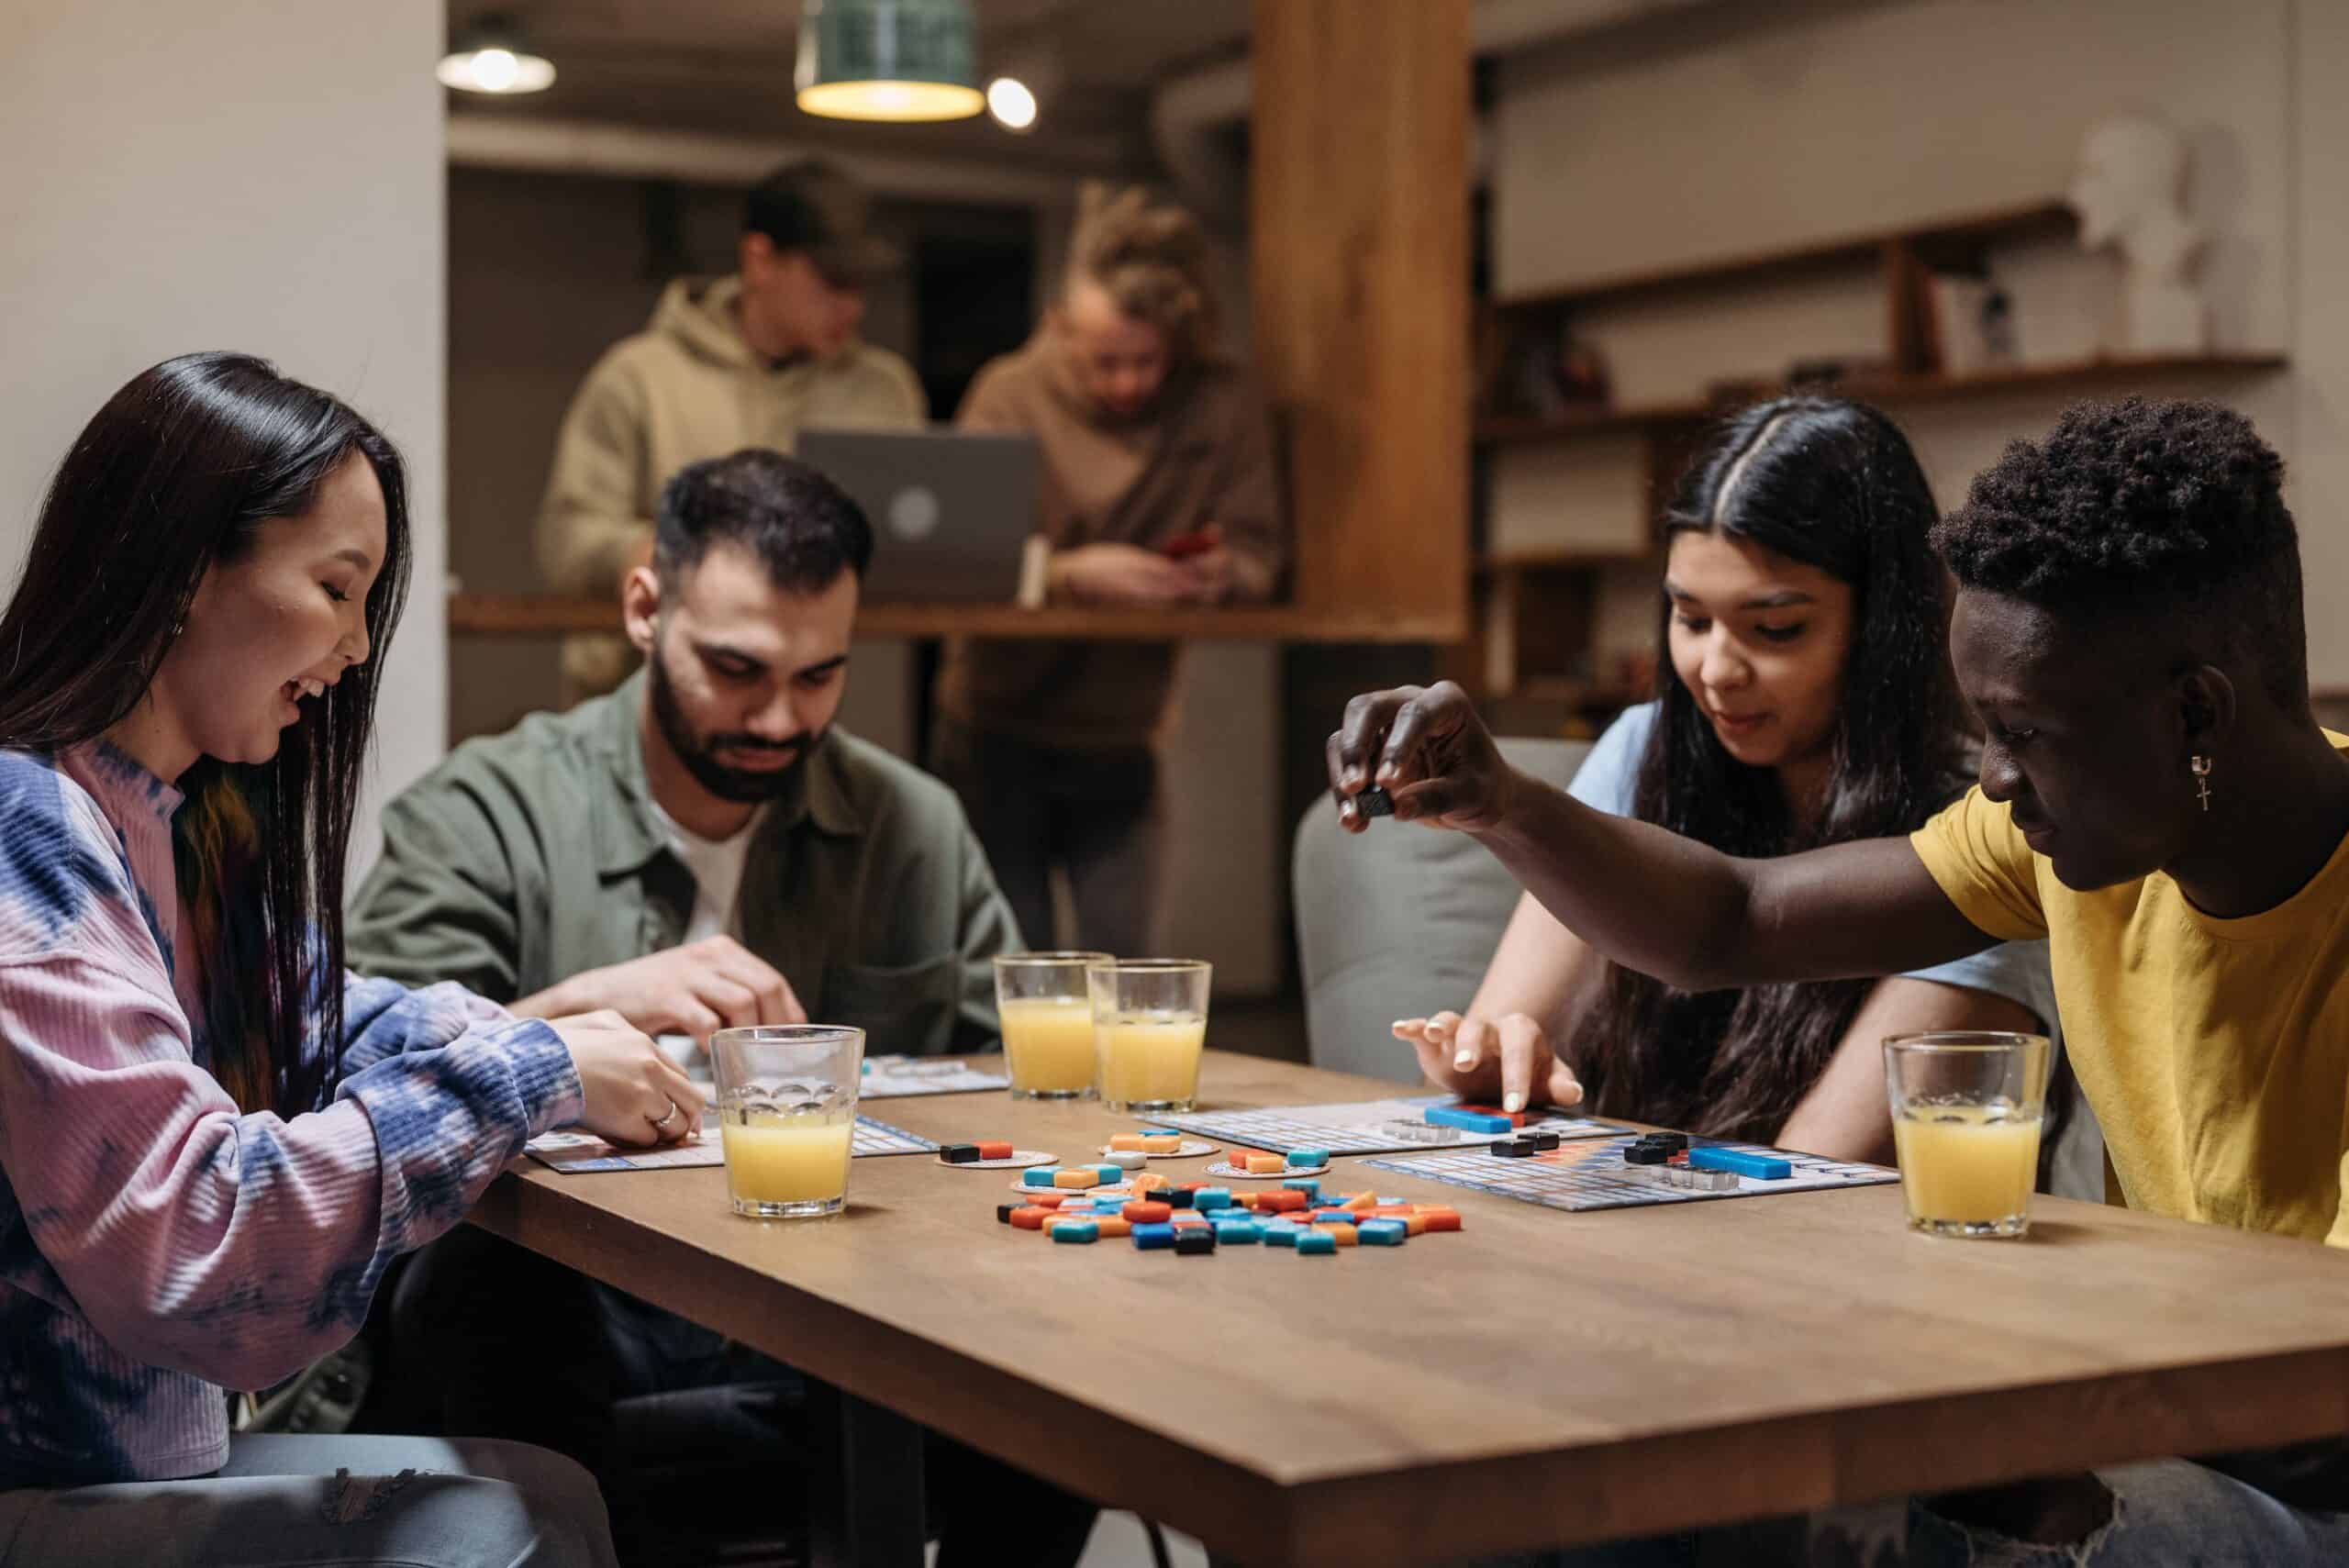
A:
(748, 359)
(1157, 490)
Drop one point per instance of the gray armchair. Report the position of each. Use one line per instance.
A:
(1398, 923)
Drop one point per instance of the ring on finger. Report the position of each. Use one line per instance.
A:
(660, 1124)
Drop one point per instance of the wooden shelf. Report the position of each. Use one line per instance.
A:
(1853, 250)
(1633, 419)
(2081, 375)
(1493, 562)
(1539, 611)
(530, 616)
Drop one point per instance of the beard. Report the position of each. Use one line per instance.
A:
(742, 786)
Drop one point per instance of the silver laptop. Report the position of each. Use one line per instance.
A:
(951, 510)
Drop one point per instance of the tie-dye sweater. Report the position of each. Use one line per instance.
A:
(156, 1245)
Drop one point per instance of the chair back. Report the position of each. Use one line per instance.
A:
(1398, 922)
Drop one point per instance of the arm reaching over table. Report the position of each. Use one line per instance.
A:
(1639, 895)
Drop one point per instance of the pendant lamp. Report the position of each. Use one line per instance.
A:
(888, 60)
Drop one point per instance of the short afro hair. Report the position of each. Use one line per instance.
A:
(803, 527)
(2175, 508)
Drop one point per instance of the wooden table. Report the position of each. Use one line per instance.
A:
(1542, 1378)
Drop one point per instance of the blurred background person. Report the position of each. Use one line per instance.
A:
(742, 360)
(1158, 491)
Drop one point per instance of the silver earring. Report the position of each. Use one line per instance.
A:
(2202, 766)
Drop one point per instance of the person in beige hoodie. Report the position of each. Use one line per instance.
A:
(748, 359)
(1157, 490)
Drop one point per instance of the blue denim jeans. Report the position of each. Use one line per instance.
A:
(288, 1501)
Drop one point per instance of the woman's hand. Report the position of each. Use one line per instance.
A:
(1506, 1060)
(634, 1094)
(1431, 754)
(1111, 574)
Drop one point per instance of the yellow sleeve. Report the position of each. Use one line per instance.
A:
(1974, 851)
(590, 524)
(906, 406)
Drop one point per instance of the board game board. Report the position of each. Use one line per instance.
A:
(888, 1077)
(1592, 1175)
(1356, 1128)
(885, 1077)
(572, 1152)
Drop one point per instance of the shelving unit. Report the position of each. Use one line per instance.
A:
(1536, 608)
(1892, 391)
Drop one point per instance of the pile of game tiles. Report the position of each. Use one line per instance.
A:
(1192, 1219)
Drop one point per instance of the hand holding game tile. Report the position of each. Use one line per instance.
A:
(1506, 1061)
(1428, 751)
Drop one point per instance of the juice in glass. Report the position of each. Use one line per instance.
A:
(786, 1116)
(1966, 1108)
(1150, 1061)
(1045, 1007)
(1966, 1165)
(1151, 1020)
(777, 1160)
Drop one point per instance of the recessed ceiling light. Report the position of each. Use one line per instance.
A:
(492, 57)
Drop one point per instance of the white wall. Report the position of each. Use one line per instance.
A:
(1727, 138)
(262, 176)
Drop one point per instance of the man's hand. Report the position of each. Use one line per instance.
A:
(713, 984)
(1506, 1060)
(1124, 574)
(1431, 754)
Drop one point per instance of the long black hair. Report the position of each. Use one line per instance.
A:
(175, 474)
(1833, 484)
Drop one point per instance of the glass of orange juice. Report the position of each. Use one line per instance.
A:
(786, 1116)
(1046, 1007)
(1966, 1108)
(1150, 1018)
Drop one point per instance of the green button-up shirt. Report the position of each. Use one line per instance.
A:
(527, 857)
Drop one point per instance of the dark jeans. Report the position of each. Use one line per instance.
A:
(1095, 814)
(673, 1421)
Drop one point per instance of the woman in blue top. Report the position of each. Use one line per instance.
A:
(1809, 702)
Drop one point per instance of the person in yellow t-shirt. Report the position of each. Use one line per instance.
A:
(2156, 799)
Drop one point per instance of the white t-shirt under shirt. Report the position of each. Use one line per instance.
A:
(716, 865)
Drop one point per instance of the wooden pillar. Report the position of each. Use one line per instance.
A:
(1359, 252)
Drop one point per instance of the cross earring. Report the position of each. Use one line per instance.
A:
(2202, 766)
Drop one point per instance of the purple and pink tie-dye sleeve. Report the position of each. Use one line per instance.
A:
(240, 1247)
(384, 1019)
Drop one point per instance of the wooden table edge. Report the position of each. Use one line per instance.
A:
(1556, 1496)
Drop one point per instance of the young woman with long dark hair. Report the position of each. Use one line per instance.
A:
(213, 1141)
(1808, 700)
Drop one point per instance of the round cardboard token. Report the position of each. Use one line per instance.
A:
(1020, 1160)
(1221, 1168)
(1122, 1190)
(1192, 1149)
